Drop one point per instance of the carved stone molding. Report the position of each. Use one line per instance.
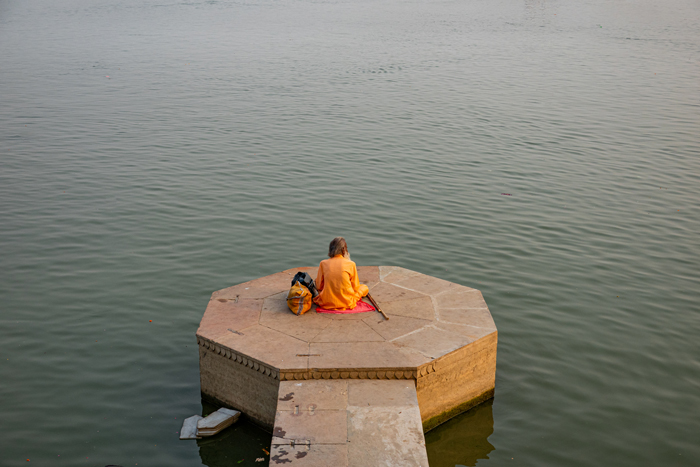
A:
(238, 358)
(348, 374)
(297, 375)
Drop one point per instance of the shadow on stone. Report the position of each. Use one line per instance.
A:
(463, 440)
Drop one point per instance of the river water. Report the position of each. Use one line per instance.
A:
(545, 152)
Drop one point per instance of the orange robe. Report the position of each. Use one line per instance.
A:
(338, 284)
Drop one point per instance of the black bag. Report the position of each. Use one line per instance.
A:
(305, 279)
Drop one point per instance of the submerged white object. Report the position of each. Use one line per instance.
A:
(217, 421)
(189, 427)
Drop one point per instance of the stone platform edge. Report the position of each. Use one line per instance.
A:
(275, 376)
(308, 374)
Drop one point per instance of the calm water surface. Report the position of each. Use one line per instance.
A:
(154, 151)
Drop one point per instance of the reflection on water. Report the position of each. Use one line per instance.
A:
(241, 442)
(463, 440)
(152, 152)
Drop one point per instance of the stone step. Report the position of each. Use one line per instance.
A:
(354, 423)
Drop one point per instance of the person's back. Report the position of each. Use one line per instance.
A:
(337, 280)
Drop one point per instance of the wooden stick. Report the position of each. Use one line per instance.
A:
(376, 305)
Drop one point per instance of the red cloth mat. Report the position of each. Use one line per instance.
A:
(361, 307)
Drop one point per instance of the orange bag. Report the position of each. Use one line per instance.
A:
(299, 299)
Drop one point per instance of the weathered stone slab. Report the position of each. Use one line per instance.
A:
(433, 342)
(368, 274)
(396, 326)
(189, 427)
(428, 285)
(477, 317)
(384, 424)
(269, 346)
(370, 423)
(347, 331)
(258, 288)
(362, 355)
(223, 315)
(390, 436)
(394, 274)
(417, 307)
(460, 297)
(385, 292)
(217, 421)
(472, 332)
(315, 426)
(362, 393)
(322, 395)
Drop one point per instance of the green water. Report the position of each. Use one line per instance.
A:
(152, 152)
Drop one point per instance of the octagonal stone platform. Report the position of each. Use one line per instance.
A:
(440, 335)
